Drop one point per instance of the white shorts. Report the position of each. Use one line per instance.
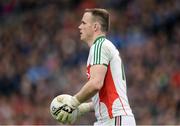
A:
(117, 121)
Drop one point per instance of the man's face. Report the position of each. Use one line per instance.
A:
(86, 27)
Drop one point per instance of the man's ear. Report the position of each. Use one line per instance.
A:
(96, 26)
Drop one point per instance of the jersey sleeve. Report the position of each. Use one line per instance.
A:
(101, 54)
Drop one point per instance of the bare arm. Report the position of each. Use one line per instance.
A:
(94, 84)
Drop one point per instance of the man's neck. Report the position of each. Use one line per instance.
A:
(90, 43)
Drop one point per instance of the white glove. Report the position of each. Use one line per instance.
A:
(70, 104)
(81, 110)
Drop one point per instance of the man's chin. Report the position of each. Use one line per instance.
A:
(82, 39)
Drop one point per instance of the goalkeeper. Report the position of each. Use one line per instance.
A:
(106, 84)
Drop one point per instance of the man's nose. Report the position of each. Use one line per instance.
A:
(79, 27)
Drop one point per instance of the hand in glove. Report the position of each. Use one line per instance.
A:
(81, 110)
(70, 103)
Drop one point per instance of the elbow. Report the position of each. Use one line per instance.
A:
(98, 85)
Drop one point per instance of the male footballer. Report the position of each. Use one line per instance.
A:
(106, 84)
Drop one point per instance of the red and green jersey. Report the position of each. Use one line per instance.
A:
(111, 100)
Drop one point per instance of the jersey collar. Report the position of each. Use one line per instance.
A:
(98, 38)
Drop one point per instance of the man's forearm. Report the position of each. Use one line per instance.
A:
(88, 90)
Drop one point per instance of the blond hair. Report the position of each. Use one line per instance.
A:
(102, 16)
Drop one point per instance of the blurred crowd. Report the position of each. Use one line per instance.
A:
(41, 56)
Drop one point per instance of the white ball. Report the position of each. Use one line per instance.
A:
(55, 107)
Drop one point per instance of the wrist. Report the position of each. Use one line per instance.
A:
(75, 102)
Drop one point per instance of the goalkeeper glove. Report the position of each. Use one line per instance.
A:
(81, 110)
(70, 104)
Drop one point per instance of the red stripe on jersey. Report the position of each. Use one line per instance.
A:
(122, 106)
(118, 121)
(108, 92)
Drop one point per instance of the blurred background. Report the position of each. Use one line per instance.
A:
(41, 56)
